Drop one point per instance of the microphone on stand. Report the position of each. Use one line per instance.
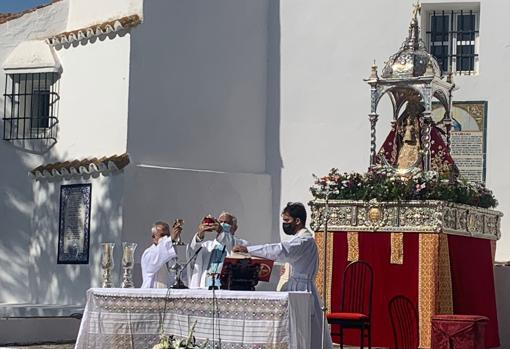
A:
(178, 282)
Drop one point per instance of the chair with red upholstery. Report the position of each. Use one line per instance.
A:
(404, 322)
(356, 302)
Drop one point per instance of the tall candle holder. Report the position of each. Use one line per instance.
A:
(107, 263)
(128, 261)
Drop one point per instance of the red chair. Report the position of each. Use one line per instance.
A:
(356, 302)
(404, 322)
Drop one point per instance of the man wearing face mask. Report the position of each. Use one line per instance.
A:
(210, 258)
(301, 254)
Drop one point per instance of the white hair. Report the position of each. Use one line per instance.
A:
(226, 213)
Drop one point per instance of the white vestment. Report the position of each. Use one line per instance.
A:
(199, 268)
(154, 259)
(301, 253)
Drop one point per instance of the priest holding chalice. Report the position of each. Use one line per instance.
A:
(154, 259)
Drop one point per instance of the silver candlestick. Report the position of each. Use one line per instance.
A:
(128, 261)
(107, 263)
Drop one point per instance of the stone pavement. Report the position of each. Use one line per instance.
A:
(71, 346)
(48, 346)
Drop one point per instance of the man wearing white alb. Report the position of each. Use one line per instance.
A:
(210, 257)
(301, 253)
(154, 258)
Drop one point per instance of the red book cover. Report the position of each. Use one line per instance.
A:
(266, 265)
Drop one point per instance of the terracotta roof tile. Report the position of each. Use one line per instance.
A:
(82, 167)
(6, 17)
(111, 26)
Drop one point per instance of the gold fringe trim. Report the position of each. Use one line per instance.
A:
(352, 247)
(445, 298)
(319, 235)
(397, 248)
(427, 281)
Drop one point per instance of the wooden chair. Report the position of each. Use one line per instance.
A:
(404, 322)
(356, 302)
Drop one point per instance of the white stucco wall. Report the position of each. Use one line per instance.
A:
(197, 115)
(154, 194)
(94, 89)
(92, 118)
(84, 13)
(52, 283)
(327, 48)
(16, 196)
(198, 72)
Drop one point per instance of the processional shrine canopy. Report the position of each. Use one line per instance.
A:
(411, 214)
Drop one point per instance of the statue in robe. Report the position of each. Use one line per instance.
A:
(409, 152)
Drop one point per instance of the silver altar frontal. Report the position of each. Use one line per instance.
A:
(131, 318)
(424, 216)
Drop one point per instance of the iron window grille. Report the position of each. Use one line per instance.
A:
(31, 106)
(452, 37)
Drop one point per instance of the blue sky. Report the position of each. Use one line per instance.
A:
(19, 5)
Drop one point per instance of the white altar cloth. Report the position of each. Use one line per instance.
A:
(130, 318)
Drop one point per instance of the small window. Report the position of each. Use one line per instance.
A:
(452, 37)
(30, 107)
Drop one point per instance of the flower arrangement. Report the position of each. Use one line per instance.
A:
(170, 342)
(383, 183)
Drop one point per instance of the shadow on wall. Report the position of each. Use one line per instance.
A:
(273, 155)
(15, 213)
(29, 243)
(52, 283)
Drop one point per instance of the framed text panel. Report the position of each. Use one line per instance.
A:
(468, 137)
(74, 224)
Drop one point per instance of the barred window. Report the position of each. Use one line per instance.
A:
(452, 37)
(31, 106)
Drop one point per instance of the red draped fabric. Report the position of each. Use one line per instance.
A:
(473, 282)
(389, 280)
(471, 272)
(439, 154)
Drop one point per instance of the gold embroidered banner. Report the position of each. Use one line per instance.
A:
(352, 247)
(444, 296)
(319, 236)
(427, 281)
(397, 248)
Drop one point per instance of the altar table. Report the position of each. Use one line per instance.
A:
(130, 318)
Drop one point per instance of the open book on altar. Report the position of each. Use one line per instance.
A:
(264, 265)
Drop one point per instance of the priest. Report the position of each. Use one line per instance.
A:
(210, 257)
(301, 254)
(154, 259)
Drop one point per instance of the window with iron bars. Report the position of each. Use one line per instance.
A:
(31, 106)
(452, 37)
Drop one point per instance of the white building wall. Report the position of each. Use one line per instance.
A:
(198, 72)
(94, 89)
(16, 195)
(197, 117)
(84, 13)
(52, 283)
(92, 117)
(154, 194)
(327, 48)
(92, 123)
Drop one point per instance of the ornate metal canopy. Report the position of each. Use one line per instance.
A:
(411, 76)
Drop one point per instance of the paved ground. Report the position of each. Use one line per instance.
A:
(49, 346)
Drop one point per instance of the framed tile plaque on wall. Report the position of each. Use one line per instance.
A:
(74, 224)
(468, 137)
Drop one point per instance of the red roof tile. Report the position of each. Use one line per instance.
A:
(5, 17)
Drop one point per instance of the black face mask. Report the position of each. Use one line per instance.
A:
(288, 228)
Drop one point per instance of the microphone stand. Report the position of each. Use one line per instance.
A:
(324, 262)
(179, 284)
(213, 287)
